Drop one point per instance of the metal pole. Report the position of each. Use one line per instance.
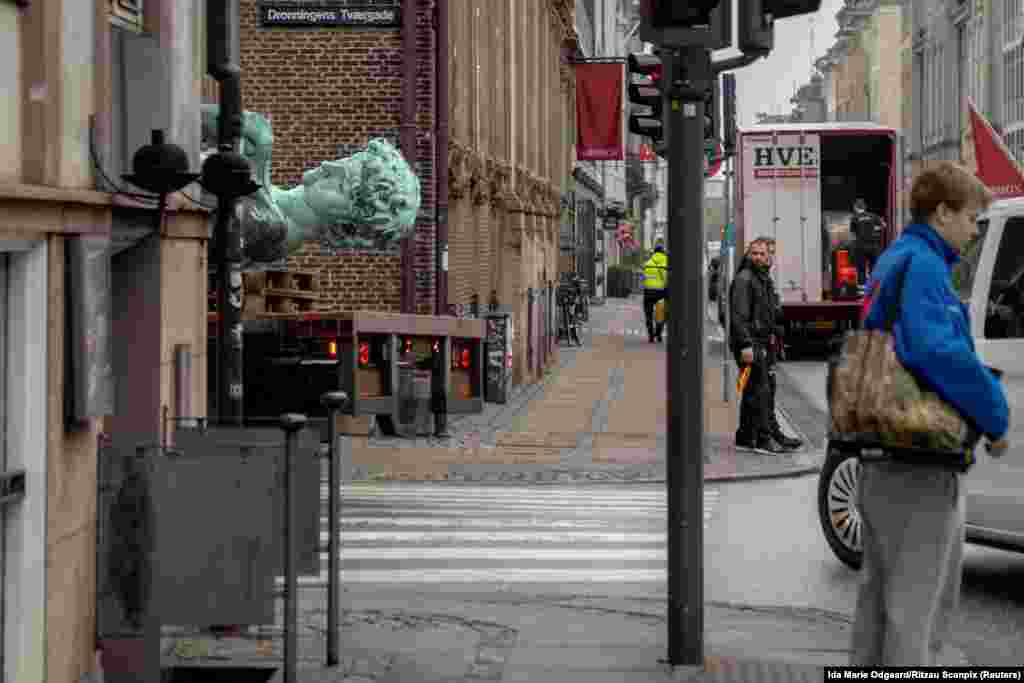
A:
(229, 310)
(291, 423)
(725, 276)
(690, 75)
(222, 46)
(336, 402)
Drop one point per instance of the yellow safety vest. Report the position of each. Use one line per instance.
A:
(656, 271)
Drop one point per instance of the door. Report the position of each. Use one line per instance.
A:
(996, 487)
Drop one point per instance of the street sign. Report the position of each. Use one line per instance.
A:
(713, 157)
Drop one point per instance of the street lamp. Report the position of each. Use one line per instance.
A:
(161, 168)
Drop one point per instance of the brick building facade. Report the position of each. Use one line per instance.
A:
(510, 159)
(327, 90)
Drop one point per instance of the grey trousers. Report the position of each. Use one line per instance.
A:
(913, 555)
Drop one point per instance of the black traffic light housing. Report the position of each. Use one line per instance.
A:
(755, 29)
(673, 22)
(646, 93)
(711, 112)
(784, 9)
(670, 13)
(729, 113)
(755, 25)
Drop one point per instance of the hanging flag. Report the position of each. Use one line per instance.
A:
(599, 112)
(996, 165)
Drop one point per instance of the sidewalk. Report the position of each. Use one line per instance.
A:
(452, 635)
(598, 415)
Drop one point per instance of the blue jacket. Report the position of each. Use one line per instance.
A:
(933, 333)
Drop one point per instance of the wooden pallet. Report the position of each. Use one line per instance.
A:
(281, 291)
(283, 280)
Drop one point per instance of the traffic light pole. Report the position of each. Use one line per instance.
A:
(690, 74)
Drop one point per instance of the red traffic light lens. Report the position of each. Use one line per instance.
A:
(364, 353)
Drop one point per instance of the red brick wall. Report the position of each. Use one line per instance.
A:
(327, 91)
(353, 281)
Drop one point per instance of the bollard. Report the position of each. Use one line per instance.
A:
(291, 423)
(336, 402)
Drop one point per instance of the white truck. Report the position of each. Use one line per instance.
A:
(990, 280)
(797, 183)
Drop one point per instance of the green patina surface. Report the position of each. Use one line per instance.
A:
(368, 200)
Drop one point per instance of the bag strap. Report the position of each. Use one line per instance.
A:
(895, 307)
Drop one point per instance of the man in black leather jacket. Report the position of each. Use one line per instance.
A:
(753, 310)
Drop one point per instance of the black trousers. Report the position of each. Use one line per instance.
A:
(757, 403)
(865, 256)
(652, 297)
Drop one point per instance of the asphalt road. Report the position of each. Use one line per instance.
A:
(775, 554)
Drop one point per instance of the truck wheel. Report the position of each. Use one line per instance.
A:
(386, 425)
(837, 505)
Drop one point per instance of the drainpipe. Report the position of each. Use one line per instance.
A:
(407, 140)
(441, 155)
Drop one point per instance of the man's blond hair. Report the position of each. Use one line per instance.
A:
(946, 183)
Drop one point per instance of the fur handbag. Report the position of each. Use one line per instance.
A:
(876, 404)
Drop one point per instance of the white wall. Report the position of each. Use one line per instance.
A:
(24, 528)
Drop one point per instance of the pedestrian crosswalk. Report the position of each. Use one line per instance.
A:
(397, 532)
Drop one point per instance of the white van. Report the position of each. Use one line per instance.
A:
(990, 279)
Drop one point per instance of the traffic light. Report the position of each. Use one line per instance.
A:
(646, 94)
(671, 13)
(755, 27)
(784, 9)
(707, 23)
(729, 113)
(711, 113)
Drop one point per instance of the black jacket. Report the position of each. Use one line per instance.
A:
(867, 228)
(753, 306)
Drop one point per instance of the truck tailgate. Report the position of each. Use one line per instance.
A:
(781, 188)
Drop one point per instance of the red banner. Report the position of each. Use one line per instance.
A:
(599, 112)
(996, 166)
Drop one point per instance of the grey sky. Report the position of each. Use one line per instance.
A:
(767, 85)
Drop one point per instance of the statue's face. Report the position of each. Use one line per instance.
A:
(373, 189)
(329, 189)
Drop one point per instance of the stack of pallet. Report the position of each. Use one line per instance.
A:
(280, 291)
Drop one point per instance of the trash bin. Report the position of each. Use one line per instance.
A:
(405, 420)
(424, 423)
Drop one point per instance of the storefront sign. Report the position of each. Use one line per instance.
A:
(279, 14)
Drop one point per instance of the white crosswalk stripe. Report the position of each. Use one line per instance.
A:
(435, 533)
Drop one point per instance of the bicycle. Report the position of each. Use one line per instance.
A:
(570, 325)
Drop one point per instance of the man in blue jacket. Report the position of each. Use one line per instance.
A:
(912, 513)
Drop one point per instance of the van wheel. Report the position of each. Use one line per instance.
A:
(837, 506)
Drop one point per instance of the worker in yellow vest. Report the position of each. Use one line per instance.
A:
(655, 288)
